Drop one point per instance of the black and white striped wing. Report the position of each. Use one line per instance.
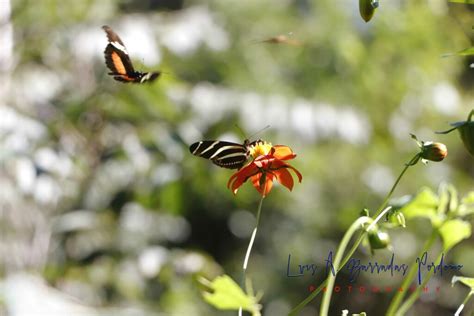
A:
(224, 154)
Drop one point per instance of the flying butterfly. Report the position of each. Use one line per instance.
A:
(224, 154)
(118, 61)
(282, 39)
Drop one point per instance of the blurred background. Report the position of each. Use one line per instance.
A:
(105, 211)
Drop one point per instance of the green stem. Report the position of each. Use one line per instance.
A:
(254, 233)
(337, 260)
(315, 293)
(389, 195)
(414, 296)
(406, 282)
(250, 245)
(359, 223)
(461, 307)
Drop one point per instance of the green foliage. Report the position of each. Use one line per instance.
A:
(227, 295)
(469, 282)
(454, 231)
(466, 52)
(424, 205)
(439, 210)
(462, 1)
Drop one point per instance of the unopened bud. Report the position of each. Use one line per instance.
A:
(379, 239)
(396, 218)
(434, 151)
(367, 9)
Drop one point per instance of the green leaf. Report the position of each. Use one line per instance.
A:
(465, 52)
(469, 198)
(466, 281)
(424, 205)
(227, 295)
(467, 205)
(462, 1)
(453, 199)
(453, 231)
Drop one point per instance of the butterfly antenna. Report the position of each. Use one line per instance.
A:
(168, 74)
(240, 130)
(259, 131)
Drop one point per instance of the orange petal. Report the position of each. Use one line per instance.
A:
(263, 183)
(283, 152)
(298, 174)
(278, 164)
(284, 177)
(239, 178)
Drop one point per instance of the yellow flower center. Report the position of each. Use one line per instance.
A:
(261, 148)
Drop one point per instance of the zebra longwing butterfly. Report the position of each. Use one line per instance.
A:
(118, 61)
(224, 154)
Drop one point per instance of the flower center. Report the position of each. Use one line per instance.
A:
(261, 148)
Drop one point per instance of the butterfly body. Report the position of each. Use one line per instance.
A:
(224, 154)
(118, 61)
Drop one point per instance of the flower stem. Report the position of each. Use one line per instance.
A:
(406, 282)
(389, 195)
(250, 245)
(254, 233)
(377, 215)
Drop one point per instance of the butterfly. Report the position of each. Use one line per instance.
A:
(118, 61)
(224, 154)
(282, 39)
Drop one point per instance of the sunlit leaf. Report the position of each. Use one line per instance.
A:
(424, 205)
(465, 52)
(469, 198)
(453, 198)
(467, 205)
(462, 1)
(227, 295)
(464, 280)
(453, 231)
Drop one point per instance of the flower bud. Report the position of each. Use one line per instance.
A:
(365, 212)
(434, 151)
(367, 9)
(396, 218)
(378, 239)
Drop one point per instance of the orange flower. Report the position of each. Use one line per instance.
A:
(268, 164)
